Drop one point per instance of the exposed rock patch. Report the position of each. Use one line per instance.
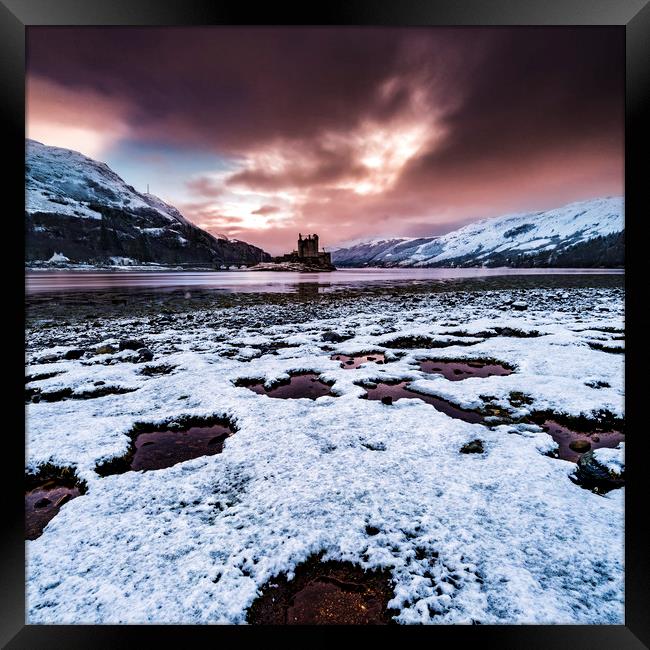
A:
(325, 593)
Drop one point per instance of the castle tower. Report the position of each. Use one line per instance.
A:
(308, 253)
(310, 246)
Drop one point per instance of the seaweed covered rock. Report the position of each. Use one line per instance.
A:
(602, 469)
(472, 447)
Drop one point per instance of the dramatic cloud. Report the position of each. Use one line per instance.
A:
(349, 132)
(266, 209)
(204, 186)
(84, 120)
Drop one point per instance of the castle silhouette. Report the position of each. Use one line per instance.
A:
(308, 253)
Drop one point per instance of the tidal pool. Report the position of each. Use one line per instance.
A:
(351, 362)
(43, 502)
(573, 444)
(389, 393)
(458, 370)
(300, 385)
(157, 449)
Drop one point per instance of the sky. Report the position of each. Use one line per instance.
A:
(352, 133)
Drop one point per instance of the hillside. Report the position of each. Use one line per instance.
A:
(583, 234)
(79, 211)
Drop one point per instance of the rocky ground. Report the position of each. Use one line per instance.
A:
(296, 267)
(472, 522)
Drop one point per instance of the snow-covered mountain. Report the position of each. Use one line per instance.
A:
(79, 210)
(583, 234)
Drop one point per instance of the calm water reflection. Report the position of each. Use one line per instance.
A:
(264, 281)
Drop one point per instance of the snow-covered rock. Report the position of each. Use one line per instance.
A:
(603, 469)
(612, 459)
(57, 257)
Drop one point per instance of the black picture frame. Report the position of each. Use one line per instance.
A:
(631, 15)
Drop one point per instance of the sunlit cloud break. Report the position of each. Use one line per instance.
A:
(258, 133)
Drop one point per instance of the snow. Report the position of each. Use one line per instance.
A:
(576, 222)
(67, 193)
(122, 261)
(156, 232)
(612, 459)
(165, 208)
(527, 232)
(41, 200)
(63, 181)
(58, 257)
(194, 543)
(371, 242)
(535, 244)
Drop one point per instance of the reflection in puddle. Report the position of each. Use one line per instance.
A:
(573, 444)
(457, 370)
(300, 385)
(35, 394)
(388, 393)
(352, 362)
(44, 501)
(327, 593)
(167, 447)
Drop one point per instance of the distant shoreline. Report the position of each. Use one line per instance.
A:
(174, 269)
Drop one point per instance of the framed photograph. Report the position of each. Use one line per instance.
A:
(325, 320)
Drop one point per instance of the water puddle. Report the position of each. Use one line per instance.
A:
(44, 497)
(325, 593)
(353, 362)
(300, 385)
(157, 448)
(36, 395)
(573, 444)
(389, 393)
(457, 370)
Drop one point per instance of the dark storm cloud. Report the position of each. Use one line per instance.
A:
(324, 166)
(389, 128)
(205, 187)
(537, 91)
(234, 86)
(237, 87)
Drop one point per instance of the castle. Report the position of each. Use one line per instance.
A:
(308, 254)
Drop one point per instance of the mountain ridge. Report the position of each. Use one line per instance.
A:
(582, 234)
(78, 209)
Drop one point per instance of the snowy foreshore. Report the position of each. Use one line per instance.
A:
(502, 536)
